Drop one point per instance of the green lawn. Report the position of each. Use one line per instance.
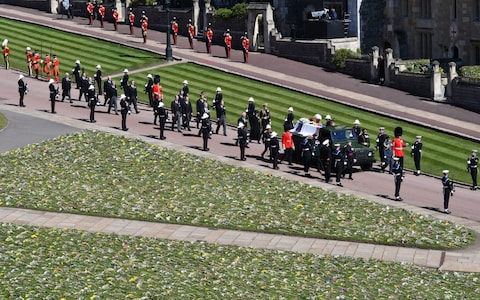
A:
(106, 175)
(70, 47)
(42, 263)
(3, 121)
(237, 90)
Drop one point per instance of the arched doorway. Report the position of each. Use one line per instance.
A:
(260, 25)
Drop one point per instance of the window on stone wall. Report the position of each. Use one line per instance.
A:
(424, 44)
(425, 9)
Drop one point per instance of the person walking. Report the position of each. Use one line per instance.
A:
(200, 107)
(388, 153)
(381, 147)
(242, 136)
(149, 89)
(417, 153)
(205, 130)
(448, 190)
(306, 147)
(186, 113)
(98, 79)
(337, 157)
(162, 118)
(56, 68)
(124, 111)
(351, 159)
(221, 118)
(265, 116)
(83, 87)
(66, 87)
(53, 95)
(288, 146)
(326, 159)
(76, 74)
(92, 102)
(113, 98)
(176, 109)
(133, 95)
(267, 138)
(107, 89)
(22, 89)
(288, 123)
(397, 177)
(472, 167)
(274, 147)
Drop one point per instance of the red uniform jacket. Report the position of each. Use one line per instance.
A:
(246, 44)
(175, 27)
(131, 18)
(398, 146)
(228, 40)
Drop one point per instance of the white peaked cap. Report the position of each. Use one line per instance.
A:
(356, 122)
(268, 126)
(122, 96)
(219, 89)
(91, 87)
(273, 134)
(185, 82)
(51, 81)
(5, 42)
(290, 108)
(125, 71)
(99, 66)
(251, 99)
(205, 116)
(446, 171)
(28, 49)
(161, 104)
(20, 76)
(77, 62)
(318, 117)
(149, 76)
(327, 117)
(326, 142)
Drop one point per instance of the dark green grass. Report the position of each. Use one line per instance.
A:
(3, 121)
(441, 151)
(69, 47)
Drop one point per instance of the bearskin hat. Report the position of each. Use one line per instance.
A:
(398, 131)
(156, 79)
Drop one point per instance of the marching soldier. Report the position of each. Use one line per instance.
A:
(83, 87)
(397, 177)
(326, 158)
(47, 63)
(29, 55)
(101, 11)
(157, 92)
(245, 47)
(6, 53)
(267, 138)
(149, 88)
(417, 153)
(107, 90)
(205, 130)
(115, 18)
(288, 123)
(92, 101)
(288, 146)
(90, 10)
(174, 29)
(398, 145)
(113, 98)
(124, 82)
(22, 89)
(209, 38)
(76, 73)
(66, 87)
(131, 20)
(56, 68)
(124, 111)
(98, 79)
(200, 107)
(472, 166)
(53, 95)
(448, 190)
(242, 136)
(36, 60)
(162, 116)
(274, 146)
(306, 148)
(227, 38)
(381, 147)
(337, 157)
(191, 33)
(217, 99)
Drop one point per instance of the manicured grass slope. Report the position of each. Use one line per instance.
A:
(100, 174)
(42, 263)
(3, 121)
(70, 47)
(441, 151)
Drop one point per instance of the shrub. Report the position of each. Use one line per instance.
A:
(223, 13)
(341, 55)
(239, 10)
(470, 71)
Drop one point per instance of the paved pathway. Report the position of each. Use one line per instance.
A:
(461, 260)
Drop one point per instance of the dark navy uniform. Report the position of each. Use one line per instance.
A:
(83, 88)
(288, 123)
(177, 114)
(326, 159)
(306, 148)
(242, 140)
(417, 154)
(162, 117)
(76, 74)
(124, 82)
(149, 89)
(22, 89)
(472, 166)
(133, 93)
(92, 102)
(205, 130)
(66, 88)
(447, 190)
(274, 146)
(98, 79)
(53, 95)
(267, 135)
(397, 177)
(381, 137)
(124, 112)
(337, 157)
(350, 158)
(186, 113)
(221, 118)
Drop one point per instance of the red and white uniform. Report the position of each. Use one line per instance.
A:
(157, 92)
(90, 9)
(174, 31)
(115, 19)
(191, 34)
(228, 44)
(131, 20)
(47, 63)
(245, 47)
(144, 30)
(56, 68)
(101, 11)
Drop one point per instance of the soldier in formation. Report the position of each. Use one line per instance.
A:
(472, 167)
(417, 153)
(6, 54)
(22, 89)
(53, 95)
(245, 47)
(124, 111)
(448, 190)
(397, 177)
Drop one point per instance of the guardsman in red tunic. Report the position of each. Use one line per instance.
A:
(56, 68)
(47, 63)
(131, 20)
(90, 8)
(29, 55)
(36, 63)
(191, 33)
(174, 26)
(209, 38)
(245, 47)
(144, 30)
(6, 54)
(398, 145)
(115, 18)
(228, 43)
(101, 11)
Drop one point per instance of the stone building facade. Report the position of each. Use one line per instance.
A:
(435, 29)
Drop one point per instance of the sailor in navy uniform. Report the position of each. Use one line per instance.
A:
(472, 166)
(447, 190)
